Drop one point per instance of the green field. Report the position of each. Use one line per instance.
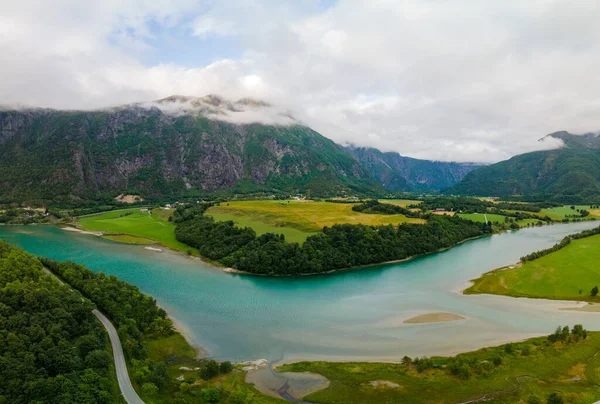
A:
(530, 368)
(131, 226)
(291, 234)
(480, 217)
(562, 211)
(306, 216)
(558, 275)
(401, 202)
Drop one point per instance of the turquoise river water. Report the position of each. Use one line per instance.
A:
(355, 314)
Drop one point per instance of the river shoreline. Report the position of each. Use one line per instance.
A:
(234, 301)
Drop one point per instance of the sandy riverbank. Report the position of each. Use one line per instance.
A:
(590, 308)
(181, 328)
(73, 229)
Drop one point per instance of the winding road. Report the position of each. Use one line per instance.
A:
(120, 366)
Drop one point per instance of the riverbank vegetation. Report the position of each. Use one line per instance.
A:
(337, 247)
(162, 365)
(567, 271)
(565, 364)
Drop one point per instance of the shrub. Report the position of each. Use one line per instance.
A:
(209, 370)
(211, 395)
(225, 367)
(555, 398)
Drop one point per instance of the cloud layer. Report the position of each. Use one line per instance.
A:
(455, 80)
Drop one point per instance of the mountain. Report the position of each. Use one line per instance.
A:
(568, 174)
(170, 147)
(399, 173)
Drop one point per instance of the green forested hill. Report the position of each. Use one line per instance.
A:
(570, 174)
(54, 155)
(52, 348)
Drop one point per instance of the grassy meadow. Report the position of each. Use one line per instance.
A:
(291, 234)
(492, 217)
(515, 372)
(306, 216)
(400, 202)
(480, 217)
(569, 273)
(562, 211)
(133, 227)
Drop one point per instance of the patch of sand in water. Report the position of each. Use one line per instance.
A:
(433, 318)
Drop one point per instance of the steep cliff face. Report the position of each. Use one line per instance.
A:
(399, 173)
(174, 146)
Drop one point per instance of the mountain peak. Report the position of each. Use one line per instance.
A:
(590, 140)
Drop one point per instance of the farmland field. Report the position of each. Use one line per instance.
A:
(562, 211)
(133, 227)
(306, 216)
(400, 202)
(292, 235)
(569, 273)
(480, 217)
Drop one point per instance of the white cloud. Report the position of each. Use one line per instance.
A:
(455, 80)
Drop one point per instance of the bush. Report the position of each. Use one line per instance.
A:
(225, 367)
(149, 389)
(211, 395)
(209, 370)
(555, 398)
(497, 360)
(534, 400)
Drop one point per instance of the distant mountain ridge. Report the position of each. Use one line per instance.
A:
(569, 174)
(191, 146)
(174, 146)
(398, 173)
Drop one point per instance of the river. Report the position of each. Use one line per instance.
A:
(355, 314)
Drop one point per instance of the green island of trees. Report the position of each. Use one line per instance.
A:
(337, 247)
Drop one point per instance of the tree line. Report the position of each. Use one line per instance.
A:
(376, 207)
(562, 244)
(338, 247)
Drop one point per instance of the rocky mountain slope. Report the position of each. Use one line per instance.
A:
(175, 146)
(399, 173)
(569, 174)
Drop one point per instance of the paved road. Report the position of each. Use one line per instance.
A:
(124, 383)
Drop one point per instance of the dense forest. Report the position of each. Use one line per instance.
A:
(52, 348)
(337, 247)
(135, 315)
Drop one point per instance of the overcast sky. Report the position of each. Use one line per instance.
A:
(440, 79)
